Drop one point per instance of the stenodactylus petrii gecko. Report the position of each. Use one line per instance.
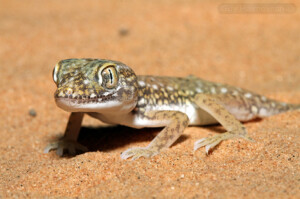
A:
(111, 92)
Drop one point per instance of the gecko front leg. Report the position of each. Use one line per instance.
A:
(69, 141)
(235, 129)
(176, 123)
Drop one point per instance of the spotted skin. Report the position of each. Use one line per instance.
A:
(111, 92)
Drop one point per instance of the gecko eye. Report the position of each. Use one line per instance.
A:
(55, 73)
(109, 77)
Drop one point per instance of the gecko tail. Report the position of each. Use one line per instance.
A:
(276, 107)
(294, 107)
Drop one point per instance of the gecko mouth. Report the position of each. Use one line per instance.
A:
(84, 103)
(84, 99)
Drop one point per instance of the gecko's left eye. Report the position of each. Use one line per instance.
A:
(109, 77)
(55, 73)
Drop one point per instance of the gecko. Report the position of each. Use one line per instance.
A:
(110, 91)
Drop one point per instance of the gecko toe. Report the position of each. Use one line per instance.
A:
(213, 141)
(248, 138)
(136, 153)
(209, 142)
(60, 151)
(200, 143)
(50, 147)
(65, 145)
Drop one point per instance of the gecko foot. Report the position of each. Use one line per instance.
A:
(138, 152)
(65, 145)
(211, 142)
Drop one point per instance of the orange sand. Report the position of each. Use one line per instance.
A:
(255, 51)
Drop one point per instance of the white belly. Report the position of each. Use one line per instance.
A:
(196, 116)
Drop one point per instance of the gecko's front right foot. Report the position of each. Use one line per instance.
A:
(65, 145)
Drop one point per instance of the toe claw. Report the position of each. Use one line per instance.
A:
(207, 147)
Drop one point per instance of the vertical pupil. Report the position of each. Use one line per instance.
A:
(110, 75)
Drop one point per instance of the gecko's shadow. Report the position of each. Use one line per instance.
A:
(113, 137)
(108, 138)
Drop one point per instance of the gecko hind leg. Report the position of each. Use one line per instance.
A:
(176, 123)
(235, 129)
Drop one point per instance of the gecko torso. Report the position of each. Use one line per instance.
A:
(110, 91)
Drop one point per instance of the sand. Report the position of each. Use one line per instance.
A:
(256, 51)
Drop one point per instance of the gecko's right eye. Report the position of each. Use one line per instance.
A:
(55, 73)
(109, 77)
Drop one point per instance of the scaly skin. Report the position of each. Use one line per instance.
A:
(111, 92)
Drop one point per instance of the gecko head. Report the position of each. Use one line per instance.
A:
(94, 85)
